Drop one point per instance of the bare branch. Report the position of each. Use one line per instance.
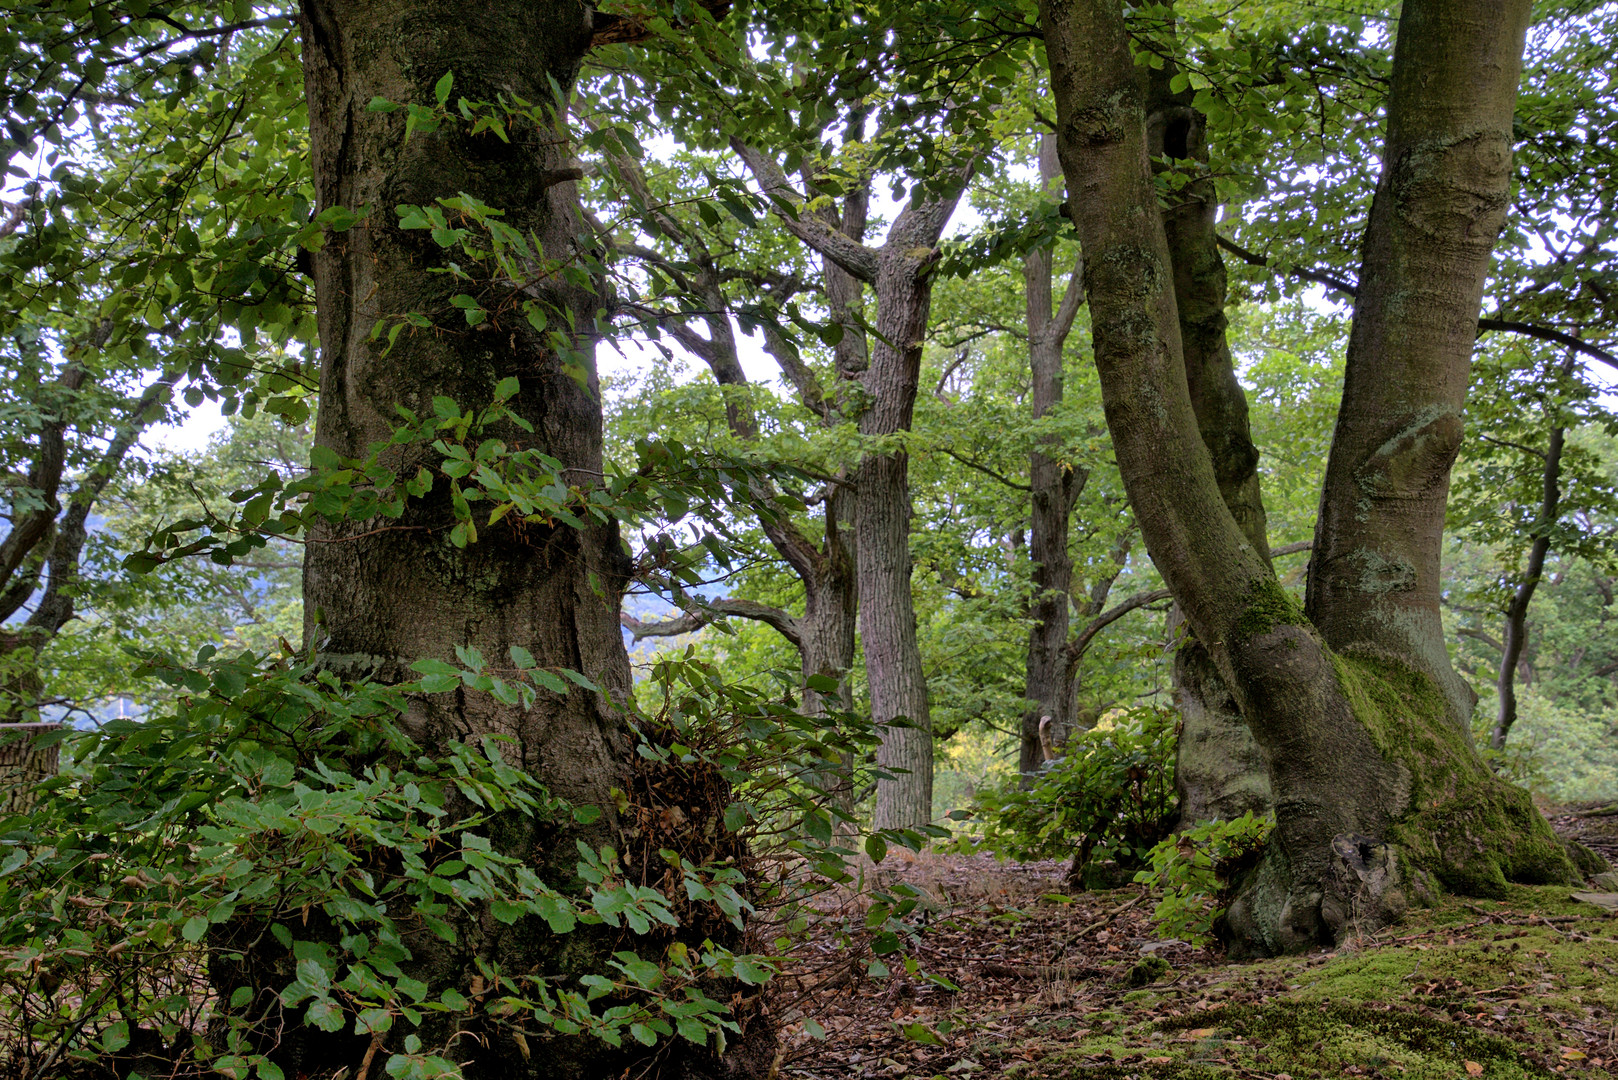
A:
(699, 616)
(984, 469)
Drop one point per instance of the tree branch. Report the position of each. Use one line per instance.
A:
(1503, 326)
(985, 470)
(1081, 644)
(698, 617)
(852, 256)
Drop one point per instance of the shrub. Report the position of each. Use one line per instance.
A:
(279, 823)
(1195, 869)
(1105, 803)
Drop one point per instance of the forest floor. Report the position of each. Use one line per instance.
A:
(1042, 989)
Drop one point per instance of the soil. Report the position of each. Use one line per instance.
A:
(1003, 973)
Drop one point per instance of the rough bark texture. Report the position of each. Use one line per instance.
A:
(1378, 792)
(26, 758)
(1220, 771)
(378, 599)
(1056, 487)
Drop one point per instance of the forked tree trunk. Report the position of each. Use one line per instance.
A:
(1378, 789)
(378, 599)
(1056, 487)
(1219, 769)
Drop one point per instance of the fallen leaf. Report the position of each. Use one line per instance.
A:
(1474, 1069)
(1570, 1054)
(1200, 1033)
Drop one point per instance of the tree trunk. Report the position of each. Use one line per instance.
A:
(378, 599)
(1056, 487)
(893, 667)
(1220, 771)
(1378, 791)
(1517, 613)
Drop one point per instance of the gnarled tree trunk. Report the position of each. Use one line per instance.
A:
(1378, 789)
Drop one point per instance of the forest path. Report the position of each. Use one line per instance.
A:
(1518, 988)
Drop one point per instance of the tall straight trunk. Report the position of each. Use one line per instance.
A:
(1377, 791)
(893, 669)
(1056, 488)
(1220, 771)
(900, 274)
(1516, 636)
(378, 599)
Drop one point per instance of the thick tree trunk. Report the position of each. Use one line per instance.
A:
(1220, 771)
(1056, 487)
(1378, 791)
(1440, 205)
(1517, 612)
(378, 599)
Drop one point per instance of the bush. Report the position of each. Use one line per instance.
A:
(1195, 870)
(1106, 803)
(264, 857)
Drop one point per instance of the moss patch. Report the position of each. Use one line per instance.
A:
(1268, 606)
(1495, 984)
(1472, 831)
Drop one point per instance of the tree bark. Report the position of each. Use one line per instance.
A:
(1056, 488)
(900, 274)
(1220, 771)
(1516, 636)
(378, 599)
(1378, 792)
(1440, 205)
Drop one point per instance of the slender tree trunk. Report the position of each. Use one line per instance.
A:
(1378, 792)
(376, 600)
(1517, 612)
(1220, 771)
(1056, 488)
(887, 617)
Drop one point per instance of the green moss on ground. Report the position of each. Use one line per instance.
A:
(1524, 988)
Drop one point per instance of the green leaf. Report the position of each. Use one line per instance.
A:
(194, 929)
(442, 88)
(876, 848)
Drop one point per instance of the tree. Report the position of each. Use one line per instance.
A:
(1379, 792)
(378, 599)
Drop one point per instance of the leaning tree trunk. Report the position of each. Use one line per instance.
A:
(378, 599)
(1219, 768)
(1516, 635)
(1056, 488)
(1378, 789)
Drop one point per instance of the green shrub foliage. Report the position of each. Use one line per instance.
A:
(1105, 803)
(1194, 870)
(279, 813)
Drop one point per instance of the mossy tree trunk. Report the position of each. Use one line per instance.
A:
(379, 599)
(1378, 789)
